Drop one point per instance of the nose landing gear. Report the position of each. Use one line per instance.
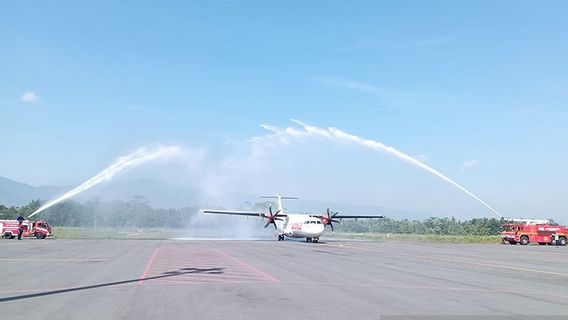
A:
(313, 240)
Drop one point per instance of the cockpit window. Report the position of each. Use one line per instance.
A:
(318, 222)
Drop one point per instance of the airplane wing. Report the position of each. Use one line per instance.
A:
(332, 217)
(357, 217)
(241, 213)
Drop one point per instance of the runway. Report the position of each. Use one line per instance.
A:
(175, 279)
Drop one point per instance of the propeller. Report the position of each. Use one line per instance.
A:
(272, 218)
(329, 219)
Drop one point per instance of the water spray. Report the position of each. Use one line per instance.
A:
(337, 135)
(132, 160)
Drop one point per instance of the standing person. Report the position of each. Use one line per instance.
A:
(554, 237)
(20, 226)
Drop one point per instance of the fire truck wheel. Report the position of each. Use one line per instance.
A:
(7, 235)
(524, 240)
(39, 235)
(563, 241)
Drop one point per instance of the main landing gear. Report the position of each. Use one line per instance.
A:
(281, 237)
(314, 240)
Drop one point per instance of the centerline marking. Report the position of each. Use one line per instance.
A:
(491, 265)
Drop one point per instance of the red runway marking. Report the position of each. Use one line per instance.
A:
(148, 266)
(246, 265)
(198, 265)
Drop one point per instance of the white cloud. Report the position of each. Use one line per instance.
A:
(469, 164)
(29, 97)
(403, 44)
(390, 97)
(354, 85)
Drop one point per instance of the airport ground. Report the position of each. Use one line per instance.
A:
(337, 279)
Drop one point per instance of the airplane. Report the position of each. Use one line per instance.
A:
(306, 226)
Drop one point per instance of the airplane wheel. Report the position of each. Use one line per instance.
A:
(308, 239)
(316, 240)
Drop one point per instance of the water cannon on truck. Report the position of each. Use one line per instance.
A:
(524, 231)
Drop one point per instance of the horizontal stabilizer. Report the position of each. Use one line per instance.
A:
(281, 197)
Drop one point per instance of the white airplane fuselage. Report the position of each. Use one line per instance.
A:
(300, 226)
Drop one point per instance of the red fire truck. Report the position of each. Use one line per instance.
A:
(39, 229)
(525, 233)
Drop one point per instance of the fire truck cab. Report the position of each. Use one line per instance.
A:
(39, 229)
(525, 233)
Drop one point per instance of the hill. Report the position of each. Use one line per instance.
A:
(14, 193)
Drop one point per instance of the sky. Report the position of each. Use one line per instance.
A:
(475, 89)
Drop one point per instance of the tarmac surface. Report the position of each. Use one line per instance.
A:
(175, 279)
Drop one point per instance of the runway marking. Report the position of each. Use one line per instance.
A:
(246, 265)
(54, 259)
(378, 285)
(145, 274)
(200, 265)
(457, 261)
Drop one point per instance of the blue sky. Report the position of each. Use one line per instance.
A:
(477, 89)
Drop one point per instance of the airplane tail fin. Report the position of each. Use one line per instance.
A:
(279, 198)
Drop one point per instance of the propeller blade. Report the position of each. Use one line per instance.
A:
(272, 218)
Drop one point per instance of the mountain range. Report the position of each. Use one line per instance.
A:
(160, 194)
(155, 192)
(13, 193)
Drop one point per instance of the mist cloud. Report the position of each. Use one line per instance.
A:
(29, 97)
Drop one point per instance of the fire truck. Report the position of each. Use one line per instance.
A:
(525, 232)
(39, 229)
